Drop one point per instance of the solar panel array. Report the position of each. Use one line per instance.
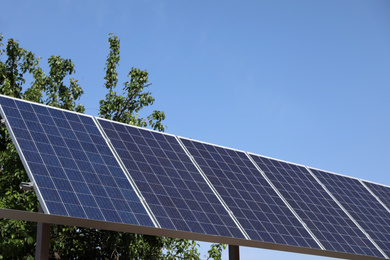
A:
(103, 170)
(177, 194)
(249, 196)
(75, 172)
(329, 223)
(360, 203)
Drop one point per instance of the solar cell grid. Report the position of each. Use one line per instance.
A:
(381, 191)
(361, 205)
(76, 174)
(255, 204)
(329, 223)
(175, 191)
(74, 170)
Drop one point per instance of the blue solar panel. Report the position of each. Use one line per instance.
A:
(255, 204)
(174, 189)
(381, 191)
(382, 218)
(361, 205)
(329, 223)
(76, 174)
(74, 170)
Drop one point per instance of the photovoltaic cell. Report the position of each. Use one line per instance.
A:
(382, 217)
(175, 191)
(381, 191)
(361, 205)
(74, 170)
(329, 223)
(255, 204)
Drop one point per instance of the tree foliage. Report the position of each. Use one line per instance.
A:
(17, 238)
(125, 108)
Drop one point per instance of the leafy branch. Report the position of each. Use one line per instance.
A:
(125, 108)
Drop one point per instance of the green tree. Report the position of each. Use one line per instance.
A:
(18, 237)
(124, 108)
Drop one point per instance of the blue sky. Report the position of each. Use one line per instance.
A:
(302, 81)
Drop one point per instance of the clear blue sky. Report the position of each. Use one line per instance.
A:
(302, 81)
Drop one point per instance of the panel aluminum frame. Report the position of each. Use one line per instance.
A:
(105, 225)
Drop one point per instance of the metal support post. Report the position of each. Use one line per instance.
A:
(234, 252)
(43, 240)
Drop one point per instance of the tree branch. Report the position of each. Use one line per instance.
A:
(120, 112)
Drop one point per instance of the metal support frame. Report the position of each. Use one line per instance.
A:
(43, 240)
(113, 226)
(234, 252)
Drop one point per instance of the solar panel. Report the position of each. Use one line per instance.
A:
(381, 191)
(97, 169)
(329, 223)
(382, 238)
(176, 192)
(73, 169)
(360, 203)
(258, 208)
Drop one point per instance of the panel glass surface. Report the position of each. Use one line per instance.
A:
(175, 191)
(361, 205)
(74, 170)
(329, 223)
(382, 219)
(255, 204)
